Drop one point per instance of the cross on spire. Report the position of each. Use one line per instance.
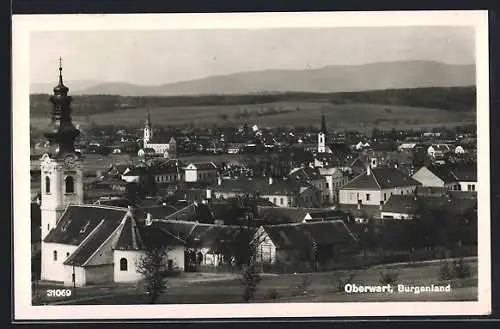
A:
(60, 70)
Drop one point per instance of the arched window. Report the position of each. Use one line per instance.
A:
(55, 255)
(123, 264)
(70, 184)
(47, 184)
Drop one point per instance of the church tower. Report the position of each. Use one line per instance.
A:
(62, 178)
(322, 136)
(148, 131)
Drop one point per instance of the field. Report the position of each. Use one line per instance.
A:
(322, 287)
(351, 116)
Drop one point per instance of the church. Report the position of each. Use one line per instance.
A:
(156, 148)
(84, 243)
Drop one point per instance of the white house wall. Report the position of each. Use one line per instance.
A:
(132, 257)
(54, 270)
(372, 197)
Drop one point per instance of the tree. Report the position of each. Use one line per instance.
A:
(152, 267)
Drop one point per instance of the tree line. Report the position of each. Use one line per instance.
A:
(452, 99)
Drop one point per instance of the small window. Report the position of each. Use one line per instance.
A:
(123, 264)
(281, 200)
(274, 200)
(367, 197)
(402, 192)
(47, 185)
(84, 228)
(67, 254)
(70, 184)
(473, 187)
(385, 196)
(55, 255)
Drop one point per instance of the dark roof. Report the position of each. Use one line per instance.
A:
(78, 221)
(306, 174)
(136, 171)
(279, 215)
(450, 173)
(205, 235)
(367, 211)
(84, 252)
(205, 165)
(381, 178)
(327, 215)
(407, 204)
(115, 202)
(284, 187)
(302, 235)
(130, 237)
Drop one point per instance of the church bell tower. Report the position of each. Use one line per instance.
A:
(148, 131)
(62, 177)
(322, 136)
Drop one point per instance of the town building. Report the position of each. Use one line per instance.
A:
(151, 145)
(458, 177)
(376, 185)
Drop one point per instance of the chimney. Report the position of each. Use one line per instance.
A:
(149, 219)
(219, 180)
(270, 181)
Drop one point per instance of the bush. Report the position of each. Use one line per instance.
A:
(340, 281)
(304, 285)
(273, 294)
(457, 269)
(251, 279)
(388, 277)
(445, 271)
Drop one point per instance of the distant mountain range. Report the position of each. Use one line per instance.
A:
(374, 76)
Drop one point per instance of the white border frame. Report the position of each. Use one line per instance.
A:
(22, 25)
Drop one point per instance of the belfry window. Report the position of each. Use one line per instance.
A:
(70, 184)
(47, 185)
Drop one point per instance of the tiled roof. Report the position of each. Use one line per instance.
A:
(130, 237)
(84, 252)
(279, 215)
(78, 221)
(306, 174)
(381, 178)
(205, 166)
(407, 204)
(299, 236)
(369, 211)
(455, 173)
(206, 235)
(328, 215)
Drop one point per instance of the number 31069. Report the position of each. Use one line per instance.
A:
(59, 292)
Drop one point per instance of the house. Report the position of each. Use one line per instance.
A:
(376, 185)
(169, 172)
(438, 150)
(302, 242)
(135, 174)
(290, 193)
(406, 147)
(457, 177)
(202, 172)
(335, 178)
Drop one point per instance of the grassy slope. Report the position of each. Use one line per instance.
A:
(345, 115)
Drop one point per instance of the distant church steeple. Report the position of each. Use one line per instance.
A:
(148, 131)
(322, 136)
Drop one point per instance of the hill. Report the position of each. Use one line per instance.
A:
(328, 79)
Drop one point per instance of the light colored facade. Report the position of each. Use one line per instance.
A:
(371, 196)
(334, 180)
(201, 173)
(265, 250)
(62, 184)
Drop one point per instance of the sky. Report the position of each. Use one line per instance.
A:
(158, 57)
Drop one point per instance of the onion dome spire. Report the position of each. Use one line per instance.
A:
(323, 124)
